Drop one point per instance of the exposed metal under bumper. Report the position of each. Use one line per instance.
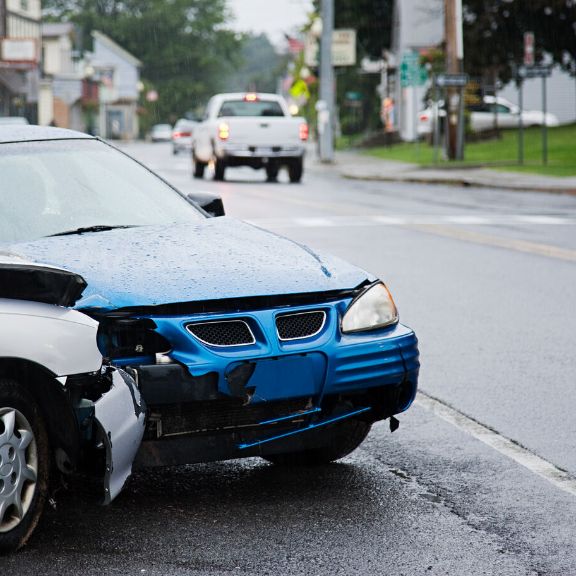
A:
(224, 446)
(311, 426)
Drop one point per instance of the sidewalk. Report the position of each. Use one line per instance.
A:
(357, 166)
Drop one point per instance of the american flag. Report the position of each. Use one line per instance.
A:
(295, 46)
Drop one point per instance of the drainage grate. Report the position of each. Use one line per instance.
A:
(300, 325)
(222, 332)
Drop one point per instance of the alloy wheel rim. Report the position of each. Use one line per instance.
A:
(18, 468)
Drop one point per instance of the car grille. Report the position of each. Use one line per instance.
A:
(222, 332)
(300, 325)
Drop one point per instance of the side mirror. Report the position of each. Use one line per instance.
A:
(210, 203)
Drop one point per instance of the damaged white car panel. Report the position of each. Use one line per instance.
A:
(58, 403)
(121, 415)
(62, 341)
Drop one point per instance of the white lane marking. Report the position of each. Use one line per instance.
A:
(553, 220)
(393, 220)
(537, 465)
(480, 220)
(411, 220)
(314, 222)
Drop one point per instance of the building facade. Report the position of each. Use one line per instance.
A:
(118, 73)
(20, 55)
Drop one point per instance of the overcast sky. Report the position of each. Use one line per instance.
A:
(275, 17)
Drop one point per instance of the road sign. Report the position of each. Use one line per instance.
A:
(19, 50)
(343, 48)
(534, 71)
(452, 80)
(528, 48)
(411, 73)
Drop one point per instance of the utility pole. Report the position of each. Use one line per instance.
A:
(3, 31)
(454, 65)
(3, 34)
(326, 108)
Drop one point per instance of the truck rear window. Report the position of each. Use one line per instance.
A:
(247, 108)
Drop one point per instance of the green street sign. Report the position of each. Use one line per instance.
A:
(411, 73)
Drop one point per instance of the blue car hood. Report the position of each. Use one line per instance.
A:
(216, 258)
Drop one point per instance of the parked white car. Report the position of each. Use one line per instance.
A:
(253, 130)
(182, 135)
(161, 133)
(61, 408)
(13, 121)
(484, 116)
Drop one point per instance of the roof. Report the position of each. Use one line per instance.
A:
(9, 134)
(53, 29)
(109, 43)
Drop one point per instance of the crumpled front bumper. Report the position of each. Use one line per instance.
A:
(120, 415)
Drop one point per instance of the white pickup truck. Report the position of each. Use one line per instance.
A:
(250, 129)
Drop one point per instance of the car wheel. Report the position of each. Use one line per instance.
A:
(347, 436)
(219, 169)
(272, 172)
(24, 465)
(295, 170)
(199, 167)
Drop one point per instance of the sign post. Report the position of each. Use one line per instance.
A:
(535, 72)
(326, 119)
(412, 75)
(456, 83)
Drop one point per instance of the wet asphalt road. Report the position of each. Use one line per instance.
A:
(486, 278)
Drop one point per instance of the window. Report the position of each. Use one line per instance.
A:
(250, 108)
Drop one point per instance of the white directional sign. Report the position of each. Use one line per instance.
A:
(19, 50)
(343, 48)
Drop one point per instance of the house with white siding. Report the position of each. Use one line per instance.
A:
(118, 73)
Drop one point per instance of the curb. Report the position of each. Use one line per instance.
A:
(463, 182)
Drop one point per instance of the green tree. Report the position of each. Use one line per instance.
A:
(494, 31)
(259, 66)
(184, 45)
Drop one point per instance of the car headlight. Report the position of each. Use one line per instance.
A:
(373, 308)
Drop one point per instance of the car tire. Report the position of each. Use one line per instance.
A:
(219, 169)
(295, 170)
(272, 172)
(347, 436)
(199, 167)
(22, 494)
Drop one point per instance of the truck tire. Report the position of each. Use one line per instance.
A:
(272, 170)
(347, 436)
(219, 169)
(295, 170)
(198, 167)
(24, 465)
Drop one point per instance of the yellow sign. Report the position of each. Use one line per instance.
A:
(299, 89)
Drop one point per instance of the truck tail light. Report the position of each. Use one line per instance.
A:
(251, 97)
(223, 131)
(304, 132)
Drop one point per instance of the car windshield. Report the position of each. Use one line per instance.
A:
(52, 187)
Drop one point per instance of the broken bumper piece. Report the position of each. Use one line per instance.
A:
(121, 416)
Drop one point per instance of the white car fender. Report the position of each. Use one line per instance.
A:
(64, 342)
(61, 340)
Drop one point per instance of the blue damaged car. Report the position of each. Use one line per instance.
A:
(241, 342)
